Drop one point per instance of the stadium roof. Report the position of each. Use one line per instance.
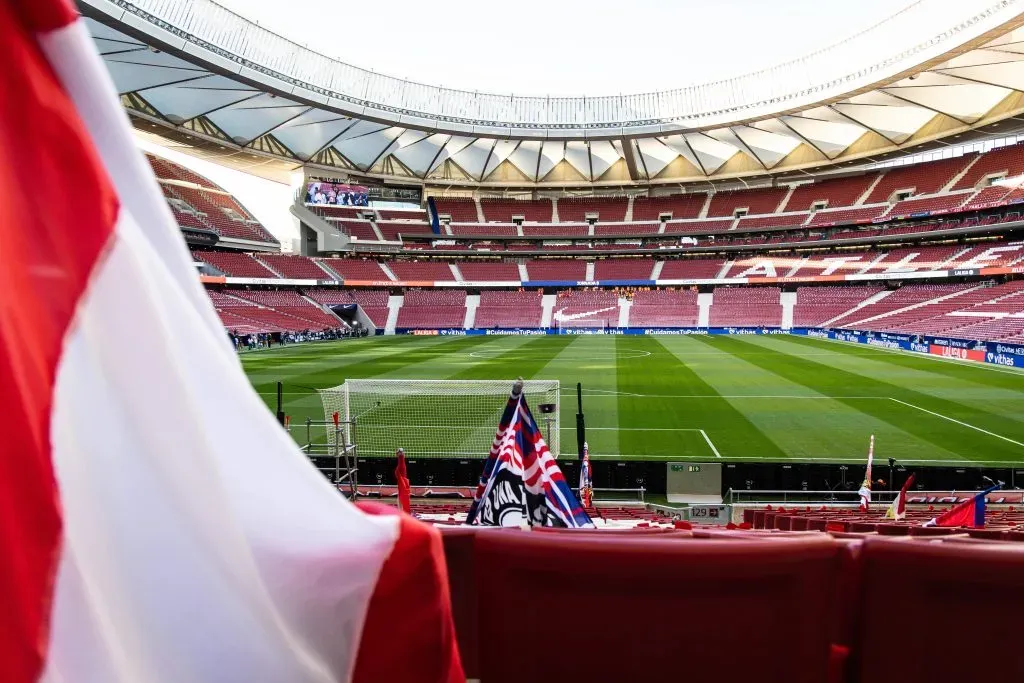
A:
(933, 73)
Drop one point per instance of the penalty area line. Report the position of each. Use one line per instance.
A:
(954, 420)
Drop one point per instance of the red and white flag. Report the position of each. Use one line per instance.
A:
(865, 488)
(156, 524)
(898, 509)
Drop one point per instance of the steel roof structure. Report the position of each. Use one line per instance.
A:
(194, 71)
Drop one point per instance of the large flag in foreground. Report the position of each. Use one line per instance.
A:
(969, 514)
(865, 488)
(134, 548)
(898, 509)
(522, 483)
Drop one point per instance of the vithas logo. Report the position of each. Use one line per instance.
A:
(999, 359)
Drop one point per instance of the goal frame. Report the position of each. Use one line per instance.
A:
(356, 416)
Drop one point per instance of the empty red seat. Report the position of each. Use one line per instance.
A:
(958, 605)
(650, 594)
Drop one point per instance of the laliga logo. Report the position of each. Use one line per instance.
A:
(999, 359)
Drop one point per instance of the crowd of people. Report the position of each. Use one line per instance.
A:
(266, 340)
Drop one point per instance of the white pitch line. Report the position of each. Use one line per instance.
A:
(731, 396)
(963, 424)
(635, 429)
(855, 460)
(710, 445)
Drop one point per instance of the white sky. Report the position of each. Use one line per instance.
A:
(542, 47)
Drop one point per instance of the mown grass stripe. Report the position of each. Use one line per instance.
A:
(803, 428)
(816, 373)
(665, 371)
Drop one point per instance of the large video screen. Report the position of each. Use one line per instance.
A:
(318, 192)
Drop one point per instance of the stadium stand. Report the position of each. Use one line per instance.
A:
(356, 269)
(460, 210)
(699, 226)
(627, 229)
(297, 267)
(746, 306)
(557, 269)
(934, 204)
(505, 309)
(904, 297)
(834, 192)
(392, 230)
(782, 220)
(504, 210)
(623, 269)
(692, 269)
(484, 229)
(926, 178)
(489, 271)
(1008, 161)
(235, 264)
(678, 206)
(609, 209)
(432, 271)
(431, 309)
(586, 308)
(846, 216)
(664, 308)
(556, 230)
(374, 302)
(816, 306)
(760, 201)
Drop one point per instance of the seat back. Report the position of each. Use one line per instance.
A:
(567, 607)
(939, 611)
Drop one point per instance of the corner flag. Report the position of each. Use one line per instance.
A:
(865, 488)
(898, 509)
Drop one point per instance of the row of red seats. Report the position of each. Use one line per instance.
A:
(661, 597)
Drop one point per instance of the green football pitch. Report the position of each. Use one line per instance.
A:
(756, 398)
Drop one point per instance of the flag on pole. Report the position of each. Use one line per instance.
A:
(404, 490)
(586, 477)
(898, 509)
(969, 514)
(134, 548)
(521, 482)
(865, 488)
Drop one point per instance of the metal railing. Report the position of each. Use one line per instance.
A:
(921, 31)
(746, 497)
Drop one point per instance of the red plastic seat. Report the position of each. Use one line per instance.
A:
(959, 603)
(530, 584)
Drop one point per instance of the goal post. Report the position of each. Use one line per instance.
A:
(433, 418)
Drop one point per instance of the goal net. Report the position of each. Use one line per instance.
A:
(432, 418)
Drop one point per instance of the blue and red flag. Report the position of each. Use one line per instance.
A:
(521, 482)
(969, 514)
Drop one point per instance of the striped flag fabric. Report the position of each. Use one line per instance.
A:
(898, 509)
(865, 488)
(134, 547)
(586, 477)
(521, 483)
(969, 514)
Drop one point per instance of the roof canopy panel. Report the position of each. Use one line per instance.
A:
(179, 66)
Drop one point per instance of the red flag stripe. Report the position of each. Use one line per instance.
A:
(51, 247)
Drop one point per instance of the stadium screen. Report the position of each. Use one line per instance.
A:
(318, 192)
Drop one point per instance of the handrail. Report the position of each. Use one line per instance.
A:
(922, 31)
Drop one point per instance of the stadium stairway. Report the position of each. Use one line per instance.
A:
(548, 306)
(390, 274)
(704, 301)
(624, 307)
(788, 301)
(394, 305)
(472, 303)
